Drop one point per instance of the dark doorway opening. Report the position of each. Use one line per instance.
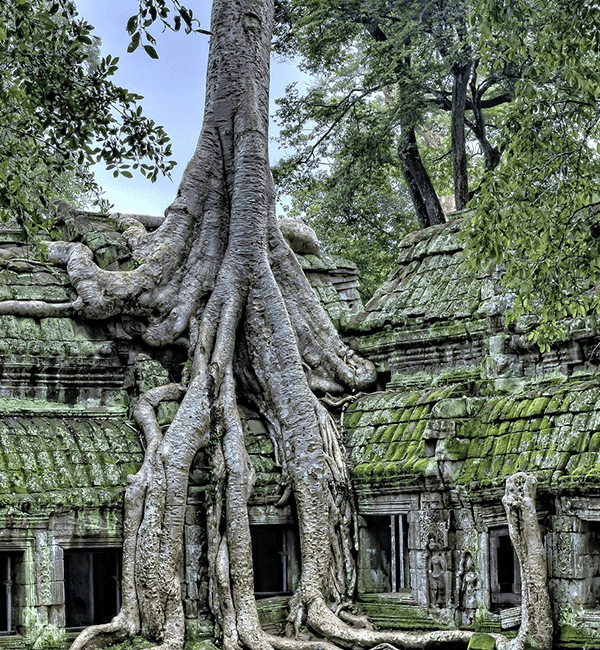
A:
(273, 559)
(92, 586)
(505, 572)
(8, 567)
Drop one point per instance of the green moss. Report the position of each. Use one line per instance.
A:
(388, 612)
(352, 418)
(397, 451)
(470, 428)
(420, 412)
(480, 641)
(454, 449)
(419, 431)
(387, 433)
(538, 406)
(421, 466)
(450, 408)
(406, 414)
(495, 407)
(578, 637)
(137, 643)
(166, 412)
(564, 407)
(501, 445)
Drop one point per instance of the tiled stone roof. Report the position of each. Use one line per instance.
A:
(430, 284)
(552, 432)
(432, 309)
(335, 281)
(63, 460)
(435, 315)
(386, 442)
(456, 436)
(470, 401)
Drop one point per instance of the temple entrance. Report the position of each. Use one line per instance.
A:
(92, 586)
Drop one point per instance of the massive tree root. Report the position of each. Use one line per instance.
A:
(536, 621)
(218, 274)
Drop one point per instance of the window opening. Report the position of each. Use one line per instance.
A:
(272, 558)
(592, 550)
(92, 586)
(505, 571)
(386, 554)
(7, 580)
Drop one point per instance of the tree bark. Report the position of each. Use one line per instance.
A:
(491, 153)
(460, 73)
(425, 199)
(415, 195)
(536, 624)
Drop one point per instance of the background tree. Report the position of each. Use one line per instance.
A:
(60, 113)
(537, 215)
(414, 63)
(357, 203)
(522, 78)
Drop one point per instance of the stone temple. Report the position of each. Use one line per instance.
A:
(461, 403)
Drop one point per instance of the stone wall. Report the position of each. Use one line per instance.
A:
(465, 402)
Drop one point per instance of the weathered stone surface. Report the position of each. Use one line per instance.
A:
(481, 642)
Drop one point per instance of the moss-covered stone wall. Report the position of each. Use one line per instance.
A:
(464, 402)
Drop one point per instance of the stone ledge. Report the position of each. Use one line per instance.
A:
(9, 641)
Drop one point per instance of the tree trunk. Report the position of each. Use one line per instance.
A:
(460, 72)
(524, 529)
(415, 195)
(425, 199)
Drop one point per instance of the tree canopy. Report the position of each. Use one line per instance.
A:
(60, 112)
(496, 105)
(537, 215)
(393, 82)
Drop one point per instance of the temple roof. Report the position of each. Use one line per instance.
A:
(469, 401)
(448, 436)
(63, 460)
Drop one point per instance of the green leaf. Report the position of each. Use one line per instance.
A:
(135, 41)
(151, 51)
(132, 24)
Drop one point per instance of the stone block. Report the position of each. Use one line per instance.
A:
(439, 429)
(570, 554)
(198, 633)
(57, 561)
(56, 616)
(191, 607)
(57, 593)
(450, 408)
(481, 641)
(191, 516)
(510, 618)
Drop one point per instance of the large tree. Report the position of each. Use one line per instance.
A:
(218, 273)
(408, 77)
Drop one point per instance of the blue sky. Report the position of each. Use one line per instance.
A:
(173, 90)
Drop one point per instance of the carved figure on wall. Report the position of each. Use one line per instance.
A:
(467, 583)
(436, 569)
